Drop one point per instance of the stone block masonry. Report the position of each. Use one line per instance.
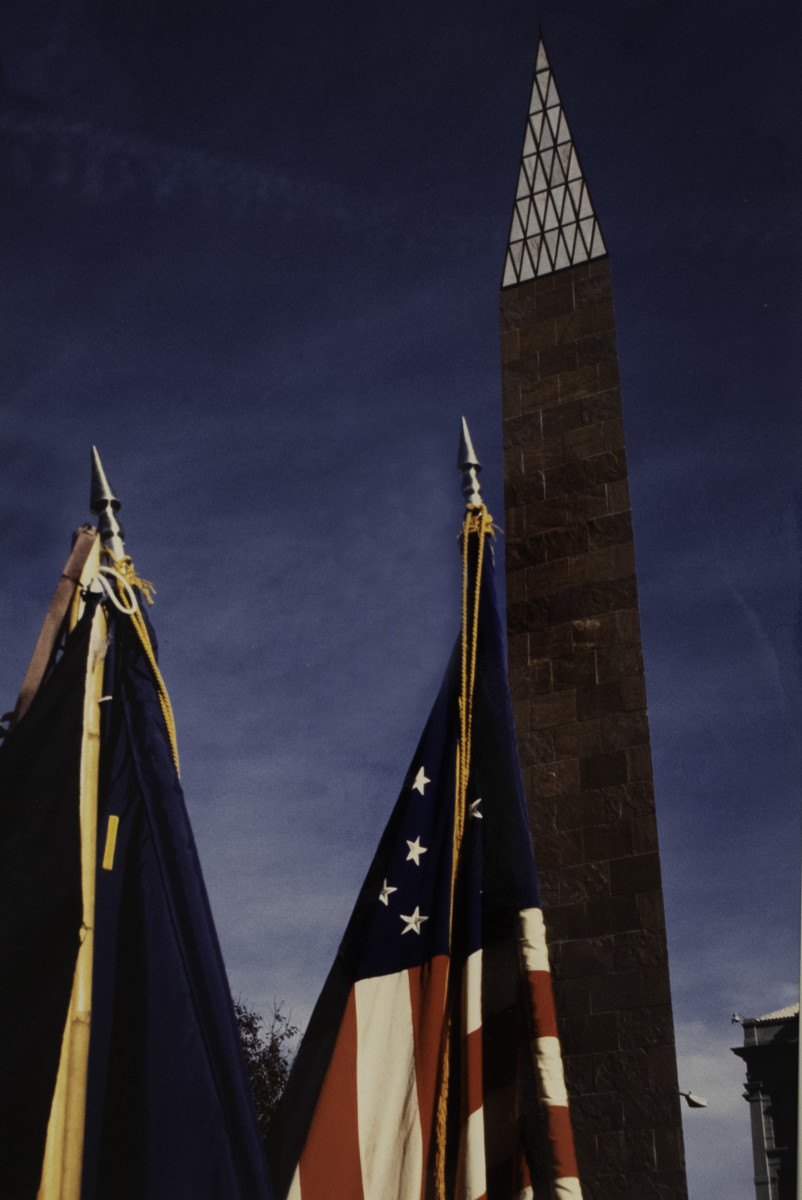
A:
(576, 673)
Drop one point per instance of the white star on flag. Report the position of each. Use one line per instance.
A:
(475, 809)
(420, 781)
(385, 892)
(415, 851)
(413, 922)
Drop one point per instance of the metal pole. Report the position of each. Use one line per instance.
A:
(105, 506)
(469, 467)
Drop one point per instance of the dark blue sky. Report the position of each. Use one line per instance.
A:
(253, 250)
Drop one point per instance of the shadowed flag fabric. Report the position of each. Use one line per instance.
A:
(40, 909)
(431, 1066)
(168, 1105)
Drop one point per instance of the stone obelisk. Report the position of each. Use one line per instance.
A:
(576, 672)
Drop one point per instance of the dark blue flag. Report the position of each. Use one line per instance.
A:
(165, 1104)
(40, 910)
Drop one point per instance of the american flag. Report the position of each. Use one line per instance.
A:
(431, 1067)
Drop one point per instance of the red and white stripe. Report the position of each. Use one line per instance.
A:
(547, 1056)
(372, 1131)
(471, 1172)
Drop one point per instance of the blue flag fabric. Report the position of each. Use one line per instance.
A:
(40, 910)
(169, 1106)
(169, 1109)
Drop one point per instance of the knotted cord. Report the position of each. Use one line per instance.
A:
(122, 569)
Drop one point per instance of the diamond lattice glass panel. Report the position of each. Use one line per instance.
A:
(574, 169)
(598, 246)
(563, 132)
(553, 223)
(586, 208)
(580, 254)
(552, 97)
(527, 270)
(586, 229)
(569, 233)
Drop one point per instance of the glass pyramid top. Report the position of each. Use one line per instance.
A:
(553, 222)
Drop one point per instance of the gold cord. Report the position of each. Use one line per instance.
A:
(477, 521)
(125, 568)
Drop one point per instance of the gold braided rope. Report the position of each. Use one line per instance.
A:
(125, 568)
(477, 521)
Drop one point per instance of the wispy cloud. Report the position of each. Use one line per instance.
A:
(105, 165)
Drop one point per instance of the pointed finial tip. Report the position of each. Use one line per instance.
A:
(104, 505)
(101, 494)
(467, 455)
(469, 467)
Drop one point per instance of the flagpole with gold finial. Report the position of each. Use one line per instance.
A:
(63, 1159)
(477, 523)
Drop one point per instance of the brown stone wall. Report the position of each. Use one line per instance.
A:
(576, 672)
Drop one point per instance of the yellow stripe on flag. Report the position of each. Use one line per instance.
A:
(111, 842)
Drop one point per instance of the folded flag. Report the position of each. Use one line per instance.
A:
(40, 910)
(169, 1104)
(431, 1067)
(122, 1071)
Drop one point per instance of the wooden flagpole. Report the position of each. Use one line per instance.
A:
(63, 1159)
